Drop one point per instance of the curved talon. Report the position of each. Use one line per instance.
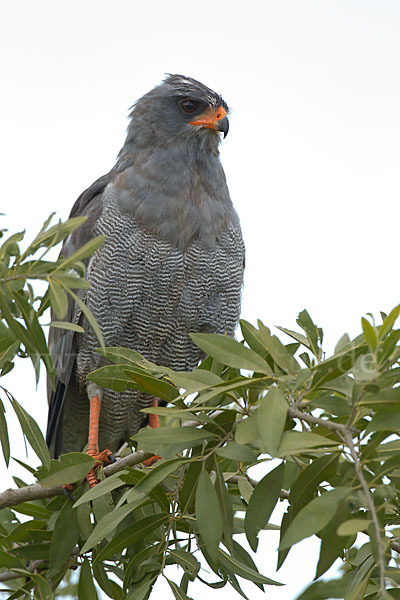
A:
(91, 478)
(105, 457)
(67, 489)
(152, 460)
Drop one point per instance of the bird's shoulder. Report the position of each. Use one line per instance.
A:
(89, 205)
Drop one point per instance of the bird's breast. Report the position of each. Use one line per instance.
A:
(148, 294)
(179, 203)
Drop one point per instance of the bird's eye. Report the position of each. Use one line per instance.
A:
(189, 106)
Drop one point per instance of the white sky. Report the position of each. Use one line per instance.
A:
(311, 157)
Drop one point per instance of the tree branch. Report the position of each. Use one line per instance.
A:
(298, 414)
(11, 497)
(371, 508)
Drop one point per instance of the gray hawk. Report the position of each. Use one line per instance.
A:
(171, 264)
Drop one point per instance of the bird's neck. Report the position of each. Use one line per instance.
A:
(177, 191)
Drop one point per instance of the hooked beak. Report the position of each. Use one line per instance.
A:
(223, 125)
(214, 119)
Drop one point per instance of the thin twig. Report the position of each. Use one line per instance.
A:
(284, 494)
(8, 575)
(371, 508)
(395, 546)
(33, 567)
(11, 497)
(298, 414)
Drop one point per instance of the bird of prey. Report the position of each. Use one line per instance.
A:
(171, 264)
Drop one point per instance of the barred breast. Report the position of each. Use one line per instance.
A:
(148, 295)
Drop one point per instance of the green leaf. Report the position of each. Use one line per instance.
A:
(299, 337)
(229, 352)
(72, 280)
(332, 545)
(68, 468)
(186, 560)
(32, 551)
(131, 535)
(32, 431)
(186, 437)
(208, 514)
(83, 515)
(243, 570)
(86, 588)
(107, 485)
(196, 380)
(52, 236)
(237, 452)
(314, 516)
(5, 442)
(389, 322)
(109, 522)
(141, 591)
(244, 557)
(325, 590)
(334, 405)
(157, 474)
(43, 589)
(89, 316)
(65, 537)
(188, 490)
(262, 503)
(247, 430)
(33, 510)
(296, 442)
(225, 505)
(9, 561)
(339, 364)
(156, 492)
(112, 377)
(83, 252)
(178, 592)
(384, 421)
(278, 351)
(369, 334)
(245, 488)
(352, 526)
(152, 385)
(271, 418)
(252, 337)
(135, 497)
(314, 334)
(306, 485)
(66, 325)
(58, 298)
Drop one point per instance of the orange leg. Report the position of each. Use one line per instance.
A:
(93, 440)
(154, 422)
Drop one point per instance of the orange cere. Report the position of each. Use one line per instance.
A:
(210, 117)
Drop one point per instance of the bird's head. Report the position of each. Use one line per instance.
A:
(180, 107)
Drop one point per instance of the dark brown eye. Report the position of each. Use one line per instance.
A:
(189, 106)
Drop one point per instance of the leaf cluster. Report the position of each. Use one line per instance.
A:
(325, 428)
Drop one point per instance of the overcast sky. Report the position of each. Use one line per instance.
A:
(311, 157)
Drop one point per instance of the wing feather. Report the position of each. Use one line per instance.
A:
(62, 342)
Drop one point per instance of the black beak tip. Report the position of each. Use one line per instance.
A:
(223, 126)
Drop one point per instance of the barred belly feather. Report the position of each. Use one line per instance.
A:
(149, 295)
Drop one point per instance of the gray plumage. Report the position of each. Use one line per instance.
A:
(172, 262)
